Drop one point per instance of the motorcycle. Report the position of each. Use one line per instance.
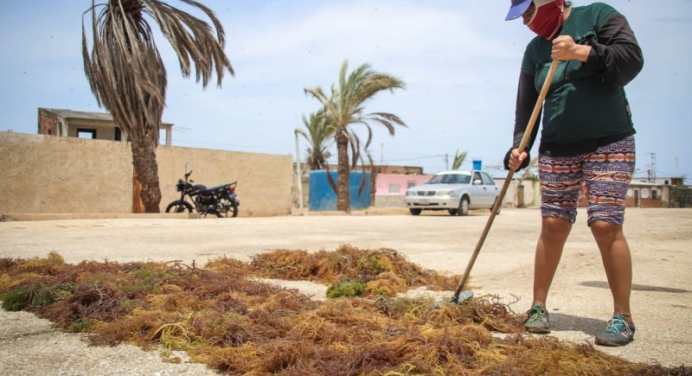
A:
(220, 200)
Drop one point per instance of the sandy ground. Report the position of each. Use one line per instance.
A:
(580, 303)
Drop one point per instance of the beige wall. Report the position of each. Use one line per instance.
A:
(48, 174)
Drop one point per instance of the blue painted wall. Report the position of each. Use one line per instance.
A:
(323, 198)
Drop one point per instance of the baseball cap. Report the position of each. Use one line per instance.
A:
(517, 9)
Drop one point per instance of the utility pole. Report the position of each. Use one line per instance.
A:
(299, 173)
(381, 154)
(676, 167)
(652, 172)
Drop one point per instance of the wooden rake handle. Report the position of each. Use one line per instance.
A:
(524, 140)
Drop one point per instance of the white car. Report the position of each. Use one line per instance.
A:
(454, 191)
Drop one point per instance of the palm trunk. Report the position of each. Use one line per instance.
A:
(147, 173)
(343, 194)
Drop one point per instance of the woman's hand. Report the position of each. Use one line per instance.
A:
(565, 48)
(516, 159)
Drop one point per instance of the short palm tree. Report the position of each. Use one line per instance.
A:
(318, 132)
(128, 78)
(346, 107)
(459, 158)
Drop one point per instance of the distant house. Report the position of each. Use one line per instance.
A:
(666, 192)
(645, 192)
(94, 125)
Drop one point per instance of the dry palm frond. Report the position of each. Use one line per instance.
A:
(125, 69)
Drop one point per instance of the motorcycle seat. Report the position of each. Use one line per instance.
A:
(219, 187)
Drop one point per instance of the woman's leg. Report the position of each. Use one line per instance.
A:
(554, 233)
(561, 179)
(617, 262)
(607, 173)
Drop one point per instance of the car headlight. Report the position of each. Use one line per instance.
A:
(448, 192)
(409, 193)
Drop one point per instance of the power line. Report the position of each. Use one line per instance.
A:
(415, 158)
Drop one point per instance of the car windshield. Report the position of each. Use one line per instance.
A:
(450, 179)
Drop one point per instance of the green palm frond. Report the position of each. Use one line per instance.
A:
(346, 106)
(319, 133)
(459, 158)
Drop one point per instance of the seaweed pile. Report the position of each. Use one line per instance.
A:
(380, 272)
(223, 316)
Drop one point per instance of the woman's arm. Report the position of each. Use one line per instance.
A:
(615, 54)
(527, 95)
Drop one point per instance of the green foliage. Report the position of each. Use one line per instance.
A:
(369, 265)
(348, 289)
(80, 326)
(34, 295)
(346, 107)
(319, 134)
(459, 158)
(151, 279)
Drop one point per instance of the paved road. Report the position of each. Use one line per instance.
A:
(660, 239)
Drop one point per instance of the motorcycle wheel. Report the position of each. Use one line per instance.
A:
(179, 207)
(232, 209)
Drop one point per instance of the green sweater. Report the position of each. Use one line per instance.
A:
(586, 105)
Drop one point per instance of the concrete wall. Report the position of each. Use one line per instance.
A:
(396, 185)
(48, 174)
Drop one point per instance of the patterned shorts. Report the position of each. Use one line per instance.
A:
(606, 174)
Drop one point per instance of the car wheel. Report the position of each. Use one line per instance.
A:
(463, 206)
(415, 211)
(452, 211)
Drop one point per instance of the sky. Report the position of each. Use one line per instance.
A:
(459, 60)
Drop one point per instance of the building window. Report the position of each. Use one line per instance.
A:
(410, 183)
(86, 133)
(118, 134)
(654, 194)
(393, 187)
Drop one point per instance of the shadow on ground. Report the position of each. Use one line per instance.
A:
(565, 322)
(604, 285)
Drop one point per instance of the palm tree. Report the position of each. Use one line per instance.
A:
(320, 131)
(128, 78)
(346, 107)
(459, 158)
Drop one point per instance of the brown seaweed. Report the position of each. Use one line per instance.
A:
(223, 316)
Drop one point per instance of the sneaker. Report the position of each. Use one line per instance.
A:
(617, 333)
(537, 320)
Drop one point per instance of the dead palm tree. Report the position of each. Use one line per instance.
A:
(318, 132)
(128, 77)
(346, 107)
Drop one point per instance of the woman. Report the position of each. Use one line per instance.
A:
(587, 137)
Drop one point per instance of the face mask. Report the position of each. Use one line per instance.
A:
(548, 19)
